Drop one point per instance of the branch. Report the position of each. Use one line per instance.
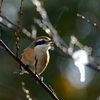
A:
(35, 76)
(87, 20)
(22, 29)
(66, 51)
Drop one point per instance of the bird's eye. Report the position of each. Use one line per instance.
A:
(43, 42)
(40, 42)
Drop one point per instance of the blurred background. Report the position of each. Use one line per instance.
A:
(61, 74)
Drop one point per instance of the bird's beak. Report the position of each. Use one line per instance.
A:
(50, 41)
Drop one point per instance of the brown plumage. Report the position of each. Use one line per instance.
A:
(37, 55)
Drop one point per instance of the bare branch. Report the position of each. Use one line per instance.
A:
(26, 91)
(22, 29)
(87, 20)
(35, 76)
(46, 25)
(18, 29)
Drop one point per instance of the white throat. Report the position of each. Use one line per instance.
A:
(42, 48)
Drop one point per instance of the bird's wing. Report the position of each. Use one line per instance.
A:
(28, 57)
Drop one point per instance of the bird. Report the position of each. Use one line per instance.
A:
(36, 56)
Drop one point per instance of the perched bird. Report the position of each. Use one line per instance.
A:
(36, 56)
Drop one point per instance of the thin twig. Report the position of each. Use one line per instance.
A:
(0, 13)
(7, 26)
(1, 6)
(18, 29)
(46, 25)
(87, 20)
(22, 29)
(8, 20)
(26, 91)
(35, 76)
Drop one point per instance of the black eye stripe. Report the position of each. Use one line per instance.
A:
(40, 42)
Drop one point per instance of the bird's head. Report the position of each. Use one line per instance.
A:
(42, 42)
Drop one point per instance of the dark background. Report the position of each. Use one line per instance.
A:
(61, 74)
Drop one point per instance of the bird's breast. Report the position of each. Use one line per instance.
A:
(35, 58)
(42, 61)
